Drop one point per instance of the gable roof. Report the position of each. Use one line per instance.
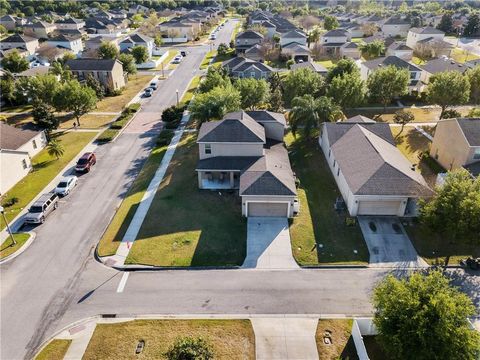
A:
(373, 166)
(399, 45)
(249, 34)
(296, 48)
(471, 129)
(65, 38)
(335, 32)
(18, 38)
(294, 34)
(390, 60)
(91, 64)
(443, 64)
(11, 138)
(396, 21)
(426, 30)
(236, 127)
(69, 20)
(359, 119)
(267, 116)
(310, 65)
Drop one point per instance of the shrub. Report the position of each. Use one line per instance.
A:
(107, 135)
(165, 137)
(173, 113)
(10, 202)
(450, 114)
(172, 124)
(223, 49)
(134, 107)
(116, 92)
(290, 63)
(189, 348)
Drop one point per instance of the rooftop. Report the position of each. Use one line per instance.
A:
(11, 138)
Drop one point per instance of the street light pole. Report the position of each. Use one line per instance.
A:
(163, 74)
(8, 226)
(177, 96)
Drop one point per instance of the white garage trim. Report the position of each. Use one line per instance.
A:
(267, 202)
(379, 207)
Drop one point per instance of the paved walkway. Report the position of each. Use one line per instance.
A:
(80, 336)
(388, 247)
(285, 338)
(132, 232)
(268, 244)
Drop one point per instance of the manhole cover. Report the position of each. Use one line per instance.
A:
(372, 226)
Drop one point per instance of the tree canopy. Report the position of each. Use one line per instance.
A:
(343, 66)
(473, 76)
(302, 82)
(422, 317)
(347, 89)
(374, 49)
(253, 92)
(107, 51)
(128, 63)
(330, 22)
(14, 62)
(387, 83)
(77, 98)
(140, 54)
(215, 103)
(215, 77)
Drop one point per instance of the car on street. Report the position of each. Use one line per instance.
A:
(41, 209)
(213, 37)
(177, 59)
(85, 163)
(154, 85)
(183, 53)
(66, 185)
(148, 92)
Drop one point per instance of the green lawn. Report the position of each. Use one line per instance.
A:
(45, 168)
(186, 226)
(221, 58)
(55, 350)
(7, 248)
(326, 63)
(192, 88)
(462, 56)
(14, 109)
(118, 226)
(229, 339)
(319, 235)
(342, 346)
(166, 61)
(88, 121)
(206, 60)
(421, 114)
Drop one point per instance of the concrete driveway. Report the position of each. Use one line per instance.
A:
(285, 338)
(388, 244)
(268, 244)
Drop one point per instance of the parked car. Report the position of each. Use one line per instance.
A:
(213, 37)
(177, 59)
(183, 53)
(148, 92)
(66, 185)
(41, 209)
(154, 85)
(85, 163)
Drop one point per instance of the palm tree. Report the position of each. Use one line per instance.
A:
(313, 36)
(328, 110)
(303, 114)
(55, 148)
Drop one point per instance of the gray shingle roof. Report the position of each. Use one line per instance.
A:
(236, 127)
(396, 21)
(335, 32)
(18, 38)
(310, 65)
(360, 119)
(227, 163)
(390, 60)
(443, 64)
(471, 130)
(249, 34)
(11, 138)
(373, 166)
(91, 64)
(426, 30)
(267, 116)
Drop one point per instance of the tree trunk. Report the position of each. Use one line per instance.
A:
(442, 112)
(78, 120)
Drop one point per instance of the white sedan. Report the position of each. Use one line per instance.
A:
(66, 185)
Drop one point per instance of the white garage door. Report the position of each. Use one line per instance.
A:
(267, 209)
(379, 207)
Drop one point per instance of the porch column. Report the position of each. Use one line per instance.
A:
(200, 179)
(231, 179)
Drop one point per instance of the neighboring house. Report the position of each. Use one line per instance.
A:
(180, 28)
(21, 51)
(372, 175)
(271, 29)
(298, 52)
(102, 27)
(395, 26)
(246, 40)
(40, 29)
(318, 68)
(20, 41)
(137, 40)
(72, 43)
(333, 40)
(368, 67)
(108, 72)
(245, 151)
(255, 53)
(456, 144)
(350, 50)
(241, 67)
(400, 49)
(421, 34)
(442, 64)
(293, 36)
(354, 30)
(93, 43)
(17, 148)
(69, 24)
(9, 22)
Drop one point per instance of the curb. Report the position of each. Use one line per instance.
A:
(24, 247)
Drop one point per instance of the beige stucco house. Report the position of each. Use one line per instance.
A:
(372, 175)
(456, 144)
(17, 148)
(109, 72)
(245, 152)
(18, 41)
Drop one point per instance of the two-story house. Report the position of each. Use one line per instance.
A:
(456, 144)
(429, 38)
(17, 148)
(16, 41)
(241, 67)
(293, 36)
(395, 26)
(439, 65)
(73, 43)
(245, 151)
(8, 22)
(333, 40)
(69, 24)
(138, 40)
(40, 29)
(107, 71)
(246, 40)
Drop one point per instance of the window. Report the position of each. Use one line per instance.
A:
(252, 74)
(34, 143)
(24, 164)
(413, 75)
(329, 152)
(334, 163)
(476, 154)
(338, 172)
(208, 148)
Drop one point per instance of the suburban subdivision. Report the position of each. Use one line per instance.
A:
(239, 179)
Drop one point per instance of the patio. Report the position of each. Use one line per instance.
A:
(218, 180)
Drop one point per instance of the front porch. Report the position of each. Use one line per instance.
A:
(214, 180)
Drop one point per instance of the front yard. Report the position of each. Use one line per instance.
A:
(319, 234)
(45, 168)
(342, 346)
(229, 339)
(55, 350)
(7, 248)
(188, 227)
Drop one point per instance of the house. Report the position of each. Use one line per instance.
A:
(255, 53)
(456, 144)
(137, 40)
(241, 67)
(395, 26)
(270, 27)
(400, 49)
(40, 29)
(318, 68)
(245, 151)
(69, 24)
(293, 36)
(102, 27)
(332, 41)
(354, 30)
(350, 50)
(373, 176)
(442, 64)
(93, 43)
(368, 67)
(72, 43)
(107, 71)
(9, 22)
(296, 51)
(178, 28)
(21, 51)
(16, 41)
(246, 40)
(17, 148)
(421, 34)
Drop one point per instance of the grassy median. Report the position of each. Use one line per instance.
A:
(7, 248)
(55, 350)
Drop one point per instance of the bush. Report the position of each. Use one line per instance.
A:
(172, 124)
(134, 107)
(450, 114)
(290, 63)
(107, 135)
(10, 202)
(165, 137)
(189, 348)
(173, 113)
(116, 92)
(223, 49)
